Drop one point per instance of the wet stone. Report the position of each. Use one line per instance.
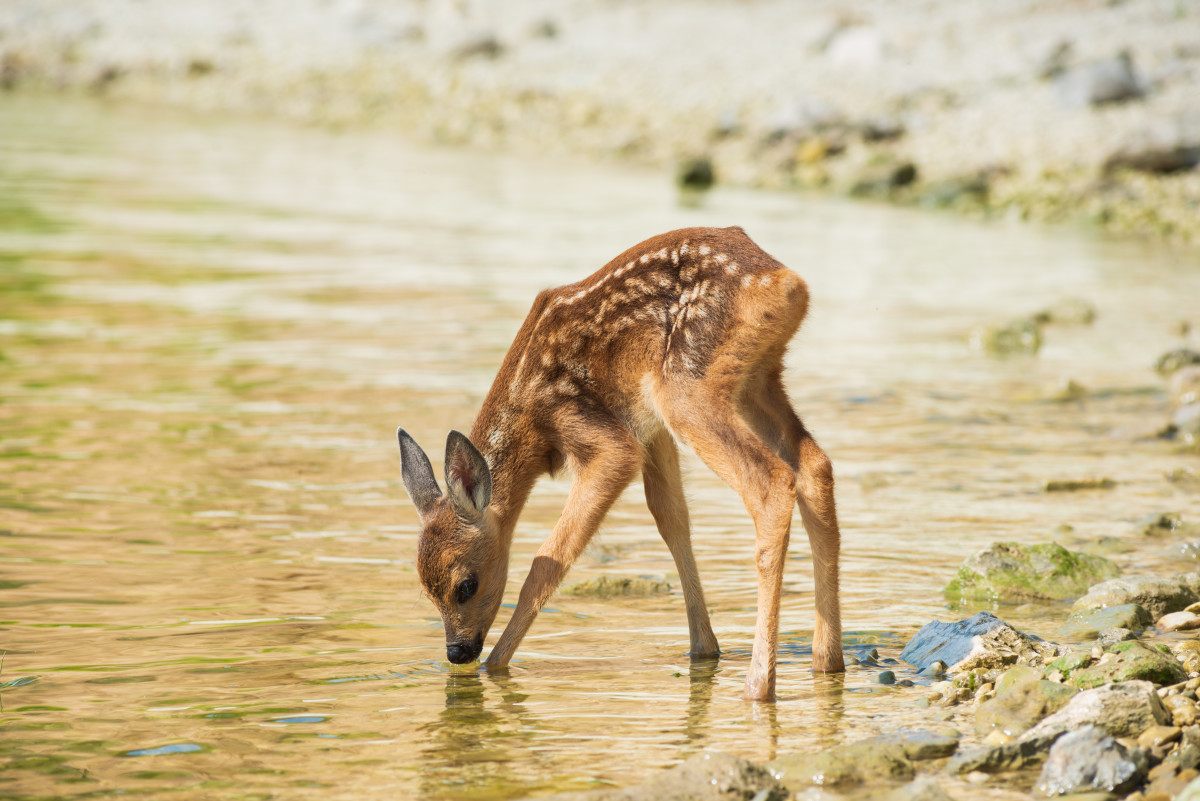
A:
(1088, 623)
(1156, 595)
(704, 777)
(1090, 759)
(981, 641)
(1010, 572)
(868, 760)
(1112, 636)
(1178, 621)
(886, 677)
(1016, 337)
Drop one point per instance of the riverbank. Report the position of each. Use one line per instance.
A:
(1054, 112)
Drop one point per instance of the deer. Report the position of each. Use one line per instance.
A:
(680, 338)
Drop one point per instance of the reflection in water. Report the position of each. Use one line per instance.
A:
(472, 742)
(205, 538)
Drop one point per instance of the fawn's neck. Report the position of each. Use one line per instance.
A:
(514, 466)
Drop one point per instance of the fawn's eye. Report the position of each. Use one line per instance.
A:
(466, 589)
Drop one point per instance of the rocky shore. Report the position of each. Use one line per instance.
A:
(1113, 715)
(1046, 111)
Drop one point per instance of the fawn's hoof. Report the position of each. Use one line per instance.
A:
(760, 688)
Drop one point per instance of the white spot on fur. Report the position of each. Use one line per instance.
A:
(675, 257)
(645, 259)
(720, 258)
(747, 280)
(732, 268)
(661, 255)
(566, 386)
(547, 358)
(705, 250)
(765, 280)
(683, 249)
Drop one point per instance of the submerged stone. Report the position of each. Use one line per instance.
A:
(609, 587)
(1087, 624)
(704, 777)
(866, 760)
(1010, 572)
(1020, 336)
(1158, 596)
(981, 641)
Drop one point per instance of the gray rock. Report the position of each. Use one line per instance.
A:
(981, 641)
(886, 677)
(704, 777)
(1122, 710)
(1165, 524)
(1156, 595)
(1109, 81)
(1110, 637)
(1089, 759)
(1087, 624)
(1010, 572)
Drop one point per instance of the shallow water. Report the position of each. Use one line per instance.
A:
(210, 330)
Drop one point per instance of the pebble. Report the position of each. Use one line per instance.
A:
(887, 677)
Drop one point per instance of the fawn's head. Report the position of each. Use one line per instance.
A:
(460, 561)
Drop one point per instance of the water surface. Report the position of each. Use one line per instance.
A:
(209, 331)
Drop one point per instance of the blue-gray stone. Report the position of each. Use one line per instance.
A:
(949, 643)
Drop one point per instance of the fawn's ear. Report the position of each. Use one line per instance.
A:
(468, 479)
(417, 473)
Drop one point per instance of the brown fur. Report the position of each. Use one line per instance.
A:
(681, 336)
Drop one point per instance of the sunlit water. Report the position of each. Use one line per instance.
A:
(210, 331)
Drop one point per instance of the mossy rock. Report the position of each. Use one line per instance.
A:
(1022, 699)
(1013, 573)
(610, 587)
(1135, 661)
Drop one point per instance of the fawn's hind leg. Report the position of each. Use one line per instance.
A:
(766, 408)
(664, 495)
(705, 417)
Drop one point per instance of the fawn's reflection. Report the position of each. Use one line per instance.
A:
(473, 740)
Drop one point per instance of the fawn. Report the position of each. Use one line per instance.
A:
(681, 336)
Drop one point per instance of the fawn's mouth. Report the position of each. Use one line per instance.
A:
(460, 653)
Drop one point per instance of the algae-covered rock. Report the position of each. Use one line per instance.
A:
(867, 760)
(1010, 572)
(1016, 337)
(610, 587)
(1022, 698)
(1174, 360)
(1087, 624)
(981, 641)
(1126, 661)
(1156, 595)
(1080, 484)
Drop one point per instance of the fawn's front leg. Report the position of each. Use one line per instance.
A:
(597, 485)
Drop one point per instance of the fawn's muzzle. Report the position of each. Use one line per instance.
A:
(462, 652)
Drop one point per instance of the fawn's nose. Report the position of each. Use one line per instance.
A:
(462, 652)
